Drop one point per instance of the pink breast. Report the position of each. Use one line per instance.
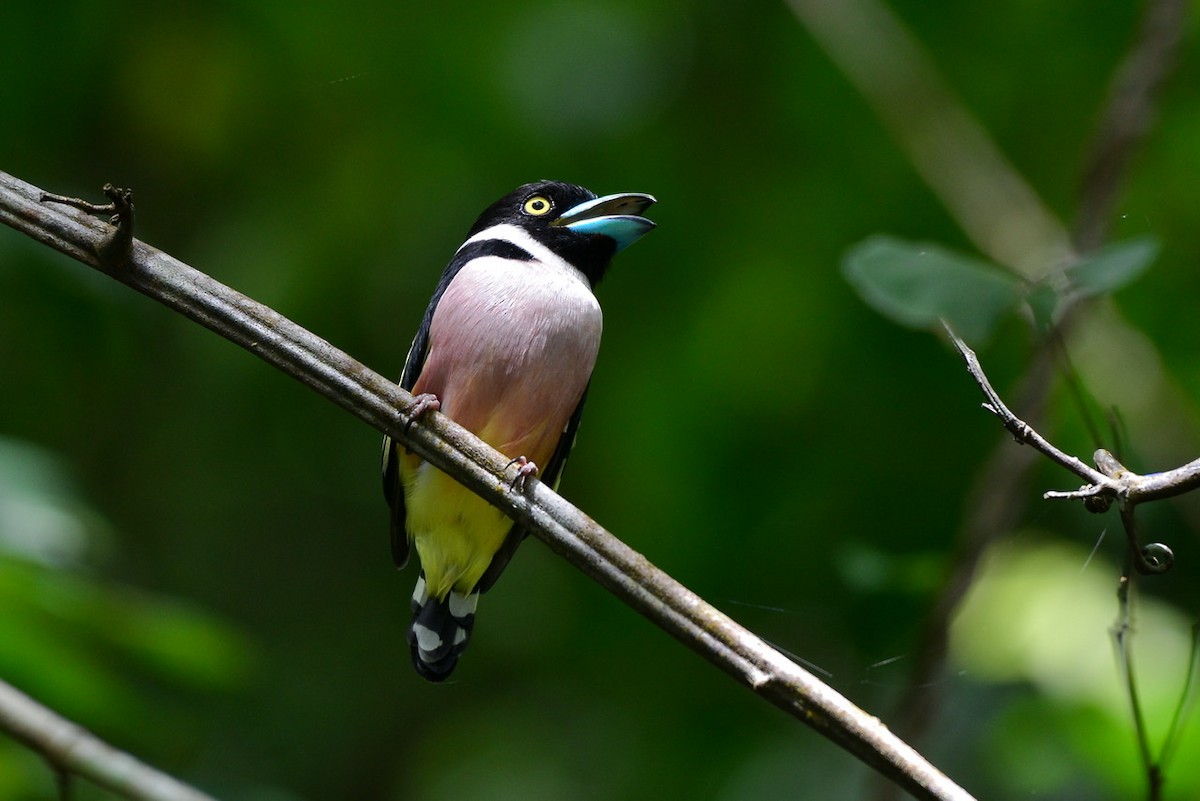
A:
(512, 346)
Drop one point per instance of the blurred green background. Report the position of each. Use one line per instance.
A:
(193, 548)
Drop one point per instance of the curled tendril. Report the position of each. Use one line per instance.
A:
(1156, 558)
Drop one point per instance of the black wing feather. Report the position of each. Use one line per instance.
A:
(392, 491)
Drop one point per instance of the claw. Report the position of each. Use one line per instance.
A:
(423, 404)
(525, 469)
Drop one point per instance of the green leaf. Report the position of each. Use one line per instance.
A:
(917, 284)
(1113, 266)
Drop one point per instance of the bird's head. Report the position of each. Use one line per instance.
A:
(578, 226)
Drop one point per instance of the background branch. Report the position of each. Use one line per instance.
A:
(1006, 219)
(1128, 116)
(986, 195)
(72, 750)
(382, 404)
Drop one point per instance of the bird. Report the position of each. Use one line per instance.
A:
(506, 349)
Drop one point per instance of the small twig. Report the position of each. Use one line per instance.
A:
(1022, 432)
(1111, 482)
(568, 531)
(1112, 478)
(113, 250)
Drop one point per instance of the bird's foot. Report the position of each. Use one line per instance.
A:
(525, 469)
(423, 404)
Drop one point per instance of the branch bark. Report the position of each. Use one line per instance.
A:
(383, 405)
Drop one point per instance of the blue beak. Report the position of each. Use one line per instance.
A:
(616, 216)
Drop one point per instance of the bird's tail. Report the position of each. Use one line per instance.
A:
(440, 630)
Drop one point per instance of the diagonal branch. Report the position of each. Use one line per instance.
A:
(568, 531)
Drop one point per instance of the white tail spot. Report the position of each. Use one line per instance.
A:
(428, 640)
(462, 605)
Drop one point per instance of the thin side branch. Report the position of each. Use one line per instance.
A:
(1113, 481)
(1024, 433)
(73, 751)
(383, 405)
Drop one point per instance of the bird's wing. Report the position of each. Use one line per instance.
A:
(395, 498)
(550, 473)
(558, 460)
(392, 491)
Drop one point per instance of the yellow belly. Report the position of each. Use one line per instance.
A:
(456, 533)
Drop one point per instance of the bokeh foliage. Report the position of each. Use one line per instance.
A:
(210, 584)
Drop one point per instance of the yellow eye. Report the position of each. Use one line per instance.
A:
(538, 205)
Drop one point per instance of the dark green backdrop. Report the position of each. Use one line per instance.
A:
(193, 548)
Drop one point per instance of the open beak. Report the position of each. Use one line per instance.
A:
(619, 217)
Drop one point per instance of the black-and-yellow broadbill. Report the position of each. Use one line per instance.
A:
(506, 349)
